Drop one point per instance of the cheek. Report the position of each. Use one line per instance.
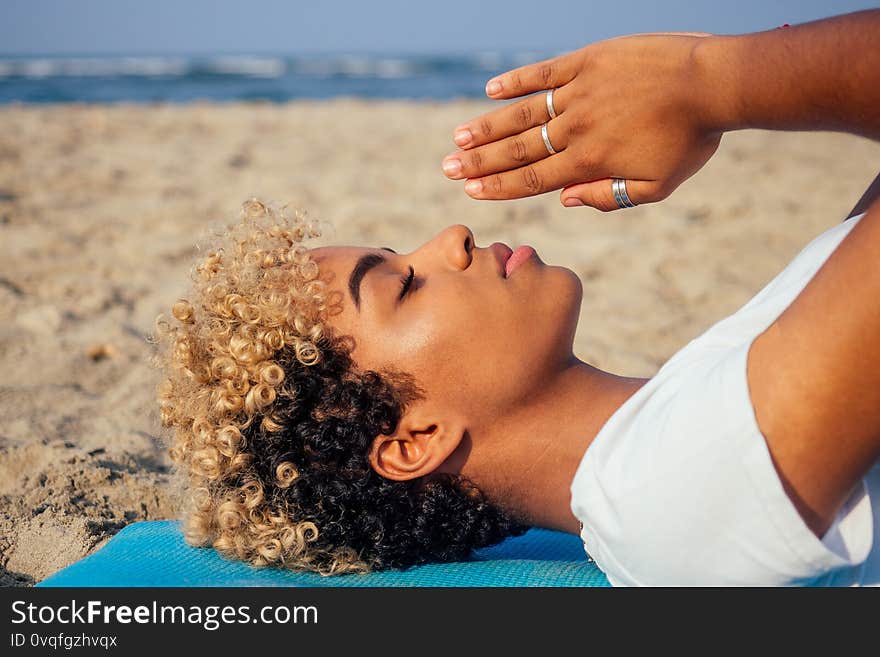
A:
(433, 344)
(421, 345)
(443, 349)
(466, 355)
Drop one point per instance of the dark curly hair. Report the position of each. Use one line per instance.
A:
(273, 422)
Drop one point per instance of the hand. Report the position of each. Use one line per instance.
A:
(631, 107)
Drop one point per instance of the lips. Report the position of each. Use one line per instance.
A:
(509, 259)
(502, 253)
(518, 257)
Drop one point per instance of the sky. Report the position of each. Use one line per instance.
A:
(154, 27)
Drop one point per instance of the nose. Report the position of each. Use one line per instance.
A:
(454, 245)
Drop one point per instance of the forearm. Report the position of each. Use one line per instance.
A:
(823, 75)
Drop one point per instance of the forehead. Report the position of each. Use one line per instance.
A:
(335, 255)
(337, 260)
(335, 264)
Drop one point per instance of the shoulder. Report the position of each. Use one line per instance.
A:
(679, 488)
(814, 376)
(679, 485)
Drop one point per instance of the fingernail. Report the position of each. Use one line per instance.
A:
(452, 167)
(462, 137)
(572, 202)
(473, 186)
(493, 87)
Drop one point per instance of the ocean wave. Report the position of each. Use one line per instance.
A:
(358, 67)
(262, 66)
(93, 67)
(250, 77)
(258, 67)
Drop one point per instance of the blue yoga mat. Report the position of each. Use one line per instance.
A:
(155, 554)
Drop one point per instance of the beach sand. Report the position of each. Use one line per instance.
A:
(100, 208)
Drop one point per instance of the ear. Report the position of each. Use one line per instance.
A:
(417, 448)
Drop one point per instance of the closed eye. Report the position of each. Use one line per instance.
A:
(405, 282)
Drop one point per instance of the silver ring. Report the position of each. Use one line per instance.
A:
(614, 189)
(550, 107)
(618, 187)
(546, 139)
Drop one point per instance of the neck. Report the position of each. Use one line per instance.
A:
(526, 461)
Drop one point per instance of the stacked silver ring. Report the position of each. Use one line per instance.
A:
(546, 139)
(550, 109)
(618, 186)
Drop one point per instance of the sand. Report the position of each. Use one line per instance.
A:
(101, 206)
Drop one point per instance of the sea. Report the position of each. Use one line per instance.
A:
(251, 77)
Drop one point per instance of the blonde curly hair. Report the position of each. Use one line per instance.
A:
(271, 421)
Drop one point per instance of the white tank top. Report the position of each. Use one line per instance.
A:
(678, 487)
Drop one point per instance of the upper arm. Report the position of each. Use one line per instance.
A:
(814, 378)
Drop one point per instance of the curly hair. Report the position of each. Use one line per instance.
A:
(272, 421)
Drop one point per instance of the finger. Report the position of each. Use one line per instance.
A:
(542, 176)
(505, 154)
(511, 119)
(600, 195)
(524, 80)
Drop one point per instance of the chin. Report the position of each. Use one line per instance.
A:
(568, 288)
(566, 292)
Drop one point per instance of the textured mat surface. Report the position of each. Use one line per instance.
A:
(155, 554)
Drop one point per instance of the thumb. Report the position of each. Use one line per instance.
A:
(599, 194)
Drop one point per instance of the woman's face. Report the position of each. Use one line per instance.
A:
(475, 340)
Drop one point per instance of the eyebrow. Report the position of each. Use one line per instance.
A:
(364, 264)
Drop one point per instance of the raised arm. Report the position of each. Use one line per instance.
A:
(814, 378)
(823, 75)
(651, 108)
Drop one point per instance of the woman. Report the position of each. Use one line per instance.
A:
(346, 408)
